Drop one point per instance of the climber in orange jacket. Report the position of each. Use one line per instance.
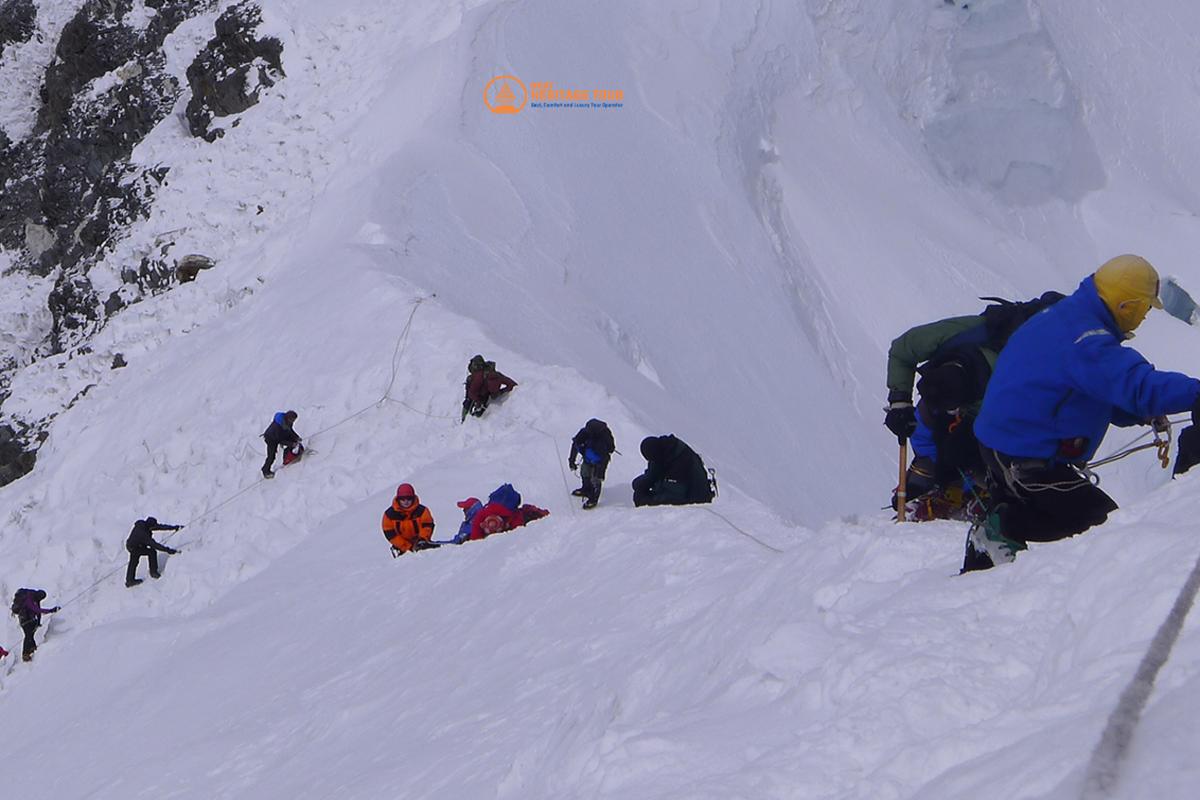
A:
(407, 524)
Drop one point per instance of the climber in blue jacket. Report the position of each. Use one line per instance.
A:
(1063, 378)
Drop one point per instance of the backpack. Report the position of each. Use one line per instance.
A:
(506, 496)
(1000, 322)
(18, 603)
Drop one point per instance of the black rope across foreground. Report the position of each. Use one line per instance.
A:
(1104, 770)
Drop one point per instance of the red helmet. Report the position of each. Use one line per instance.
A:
(406, 490)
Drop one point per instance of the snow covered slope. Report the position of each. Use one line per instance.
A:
(726, 256)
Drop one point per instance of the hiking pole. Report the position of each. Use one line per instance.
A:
(902, 488)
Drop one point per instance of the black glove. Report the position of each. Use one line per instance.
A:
(1160, 424)
(1196, 412)
(172, 551)
(572, 465)
(176, 527)
(901, 417)
(54, 610)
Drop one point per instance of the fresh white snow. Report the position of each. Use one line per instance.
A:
(726, 257)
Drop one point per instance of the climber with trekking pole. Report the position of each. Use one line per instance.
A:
(949, 362)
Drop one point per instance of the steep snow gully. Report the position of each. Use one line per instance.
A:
(724, 254)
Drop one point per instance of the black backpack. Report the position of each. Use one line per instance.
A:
(1001, 320)
(18, 604)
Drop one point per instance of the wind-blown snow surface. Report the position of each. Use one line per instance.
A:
(786, 188)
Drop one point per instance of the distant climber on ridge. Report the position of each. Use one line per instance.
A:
(1060, 382)
(141, 543)
(484, 382)
(407, 524)
(594, 444)
(675, 474)
(27, 606)
(280, 433)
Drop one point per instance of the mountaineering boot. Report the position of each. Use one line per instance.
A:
(268, 473)
(581, 492)
(155, 575)
(132, 583)
(27, 656)
(590, 503)
(987, 545)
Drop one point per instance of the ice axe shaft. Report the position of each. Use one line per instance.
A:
(902, 487)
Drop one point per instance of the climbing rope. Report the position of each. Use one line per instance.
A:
(1104, 769)
(1162, 441)
(749, 536)
(555, 444)
(397, 353)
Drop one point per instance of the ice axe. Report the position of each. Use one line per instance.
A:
(902, 488)
(1177, 302)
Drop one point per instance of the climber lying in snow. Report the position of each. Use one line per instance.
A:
(502, 512)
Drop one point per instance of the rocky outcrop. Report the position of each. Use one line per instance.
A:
(71, 192)
(70, 189)
(232, 70)
(18, 21)
(16, 456)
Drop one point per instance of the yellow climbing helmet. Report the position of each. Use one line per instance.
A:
(1128, 285)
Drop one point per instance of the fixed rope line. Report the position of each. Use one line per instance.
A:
(554, 443)
(749, 536)
(397, 352)
(416, 410)
(401, 343)
(1104, 769)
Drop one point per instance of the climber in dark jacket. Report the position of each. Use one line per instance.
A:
(483, 384)
(594, 443)
(675, 474)
(280, 432)
(141, 543)
(28, 608)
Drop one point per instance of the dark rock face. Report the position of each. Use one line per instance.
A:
(15, 459)
(70, 193)
(231, 71)
(18, 21)
(70, 190)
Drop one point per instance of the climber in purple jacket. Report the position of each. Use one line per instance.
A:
(27, 605)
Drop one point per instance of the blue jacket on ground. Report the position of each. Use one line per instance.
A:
(1064, 375)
